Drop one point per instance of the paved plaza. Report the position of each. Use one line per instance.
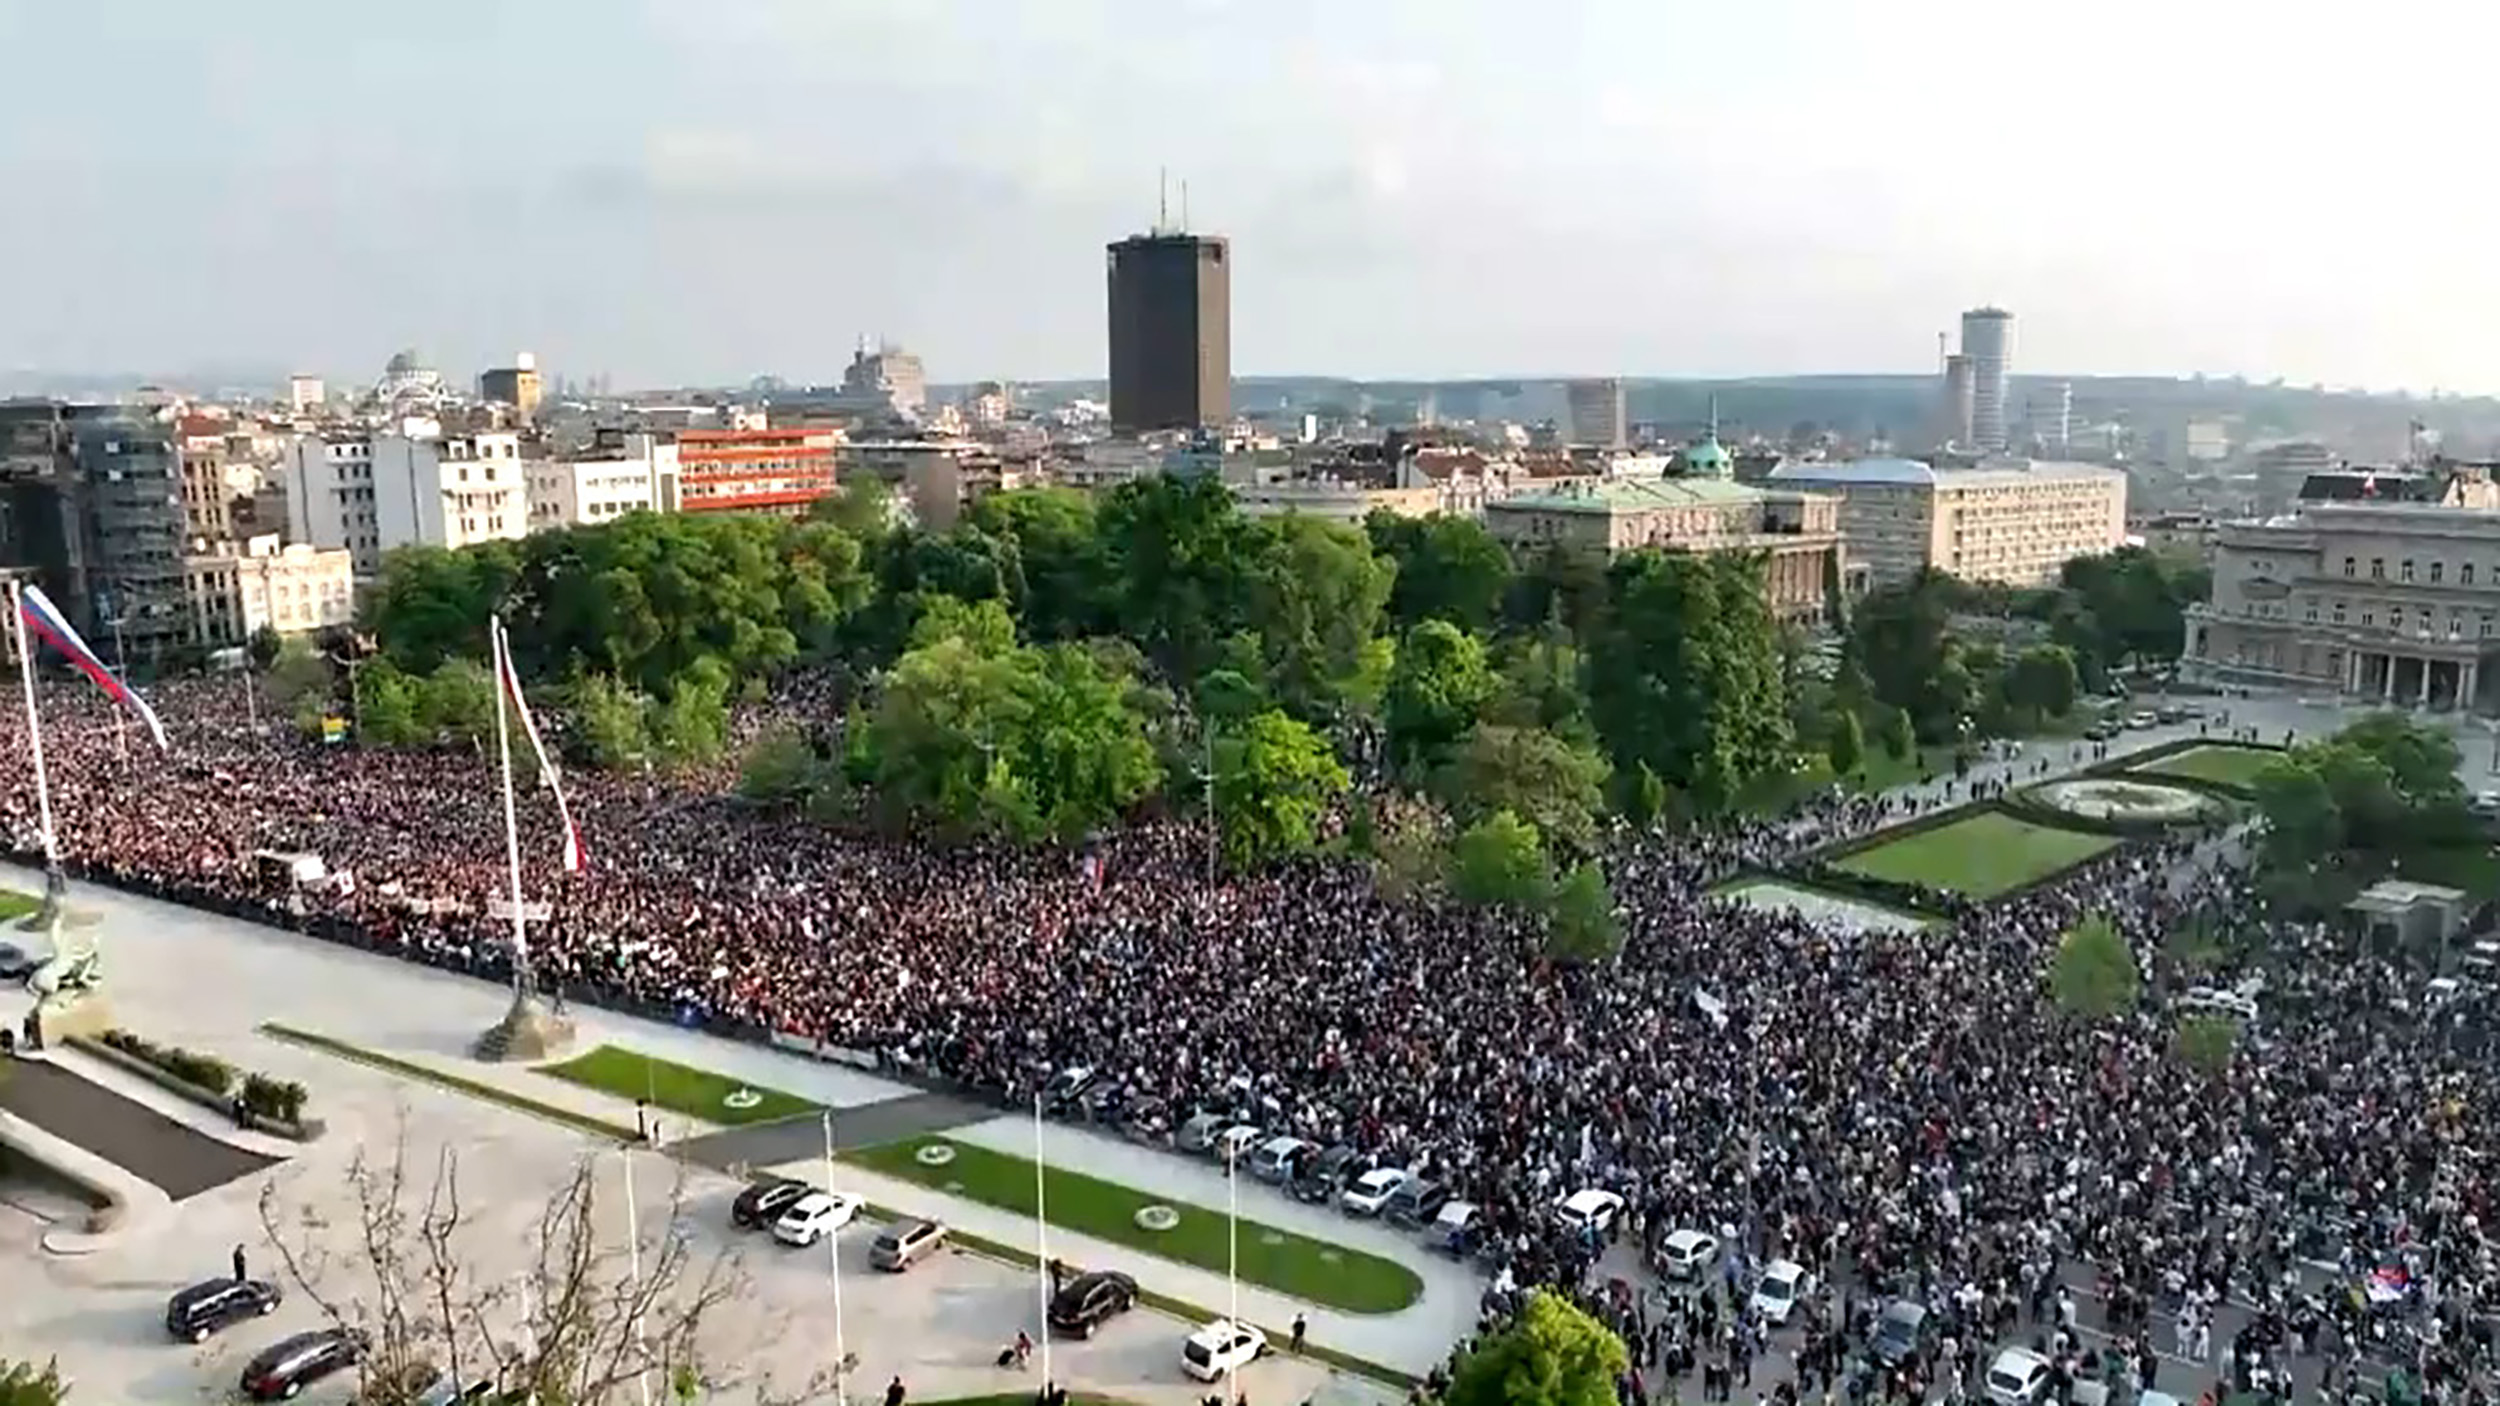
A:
(1829, 909)
(206, 982)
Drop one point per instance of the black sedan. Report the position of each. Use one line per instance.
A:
(287, 1366)
(213, 1305)
(1087, 1301)
(16, 963)
(762, 1202)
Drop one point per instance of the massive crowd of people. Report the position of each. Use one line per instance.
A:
(1904, 1110)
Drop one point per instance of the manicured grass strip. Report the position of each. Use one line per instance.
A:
(428, 1074)
(17, 905)
(1981, 857)
(989, 1249)
(1821, 903)
(2235, 768)
(1291, 1264)
(679, 1088)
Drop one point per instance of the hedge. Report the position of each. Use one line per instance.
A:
(277, 1104)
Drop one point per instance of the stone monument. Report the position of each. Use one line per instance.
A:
(530, 1030)
(68, 986)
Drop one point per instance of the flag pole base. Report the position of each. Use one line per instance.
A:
(528, 1032)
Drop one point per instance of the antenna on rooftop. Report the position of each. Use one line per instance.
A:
(1943, 354)
(1163, 198)
(1184, 206)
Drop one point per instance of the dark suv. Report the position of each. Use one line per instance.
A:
(1323, 1176)
(1416, 1201)
(762, 1202)
(1085, 1302)
(284, 1368)
(214, 1305)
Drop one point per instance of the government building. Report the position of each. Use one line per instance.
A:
(2383, 584)
(2014, 522)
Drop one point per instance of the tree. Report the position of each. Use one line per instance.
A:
(1315, 598)
(1067, 585)
(690, 727)
(25, 1384)
(579, 1323)
(1582, 927)
(2303, 824)
(611, 721)
(2207, 1043)
(388, 711)
(1899, 739)
(263, 647)
(1177, 553)
(1448, 568)
(779, 767)
(2042, 682)
(2093, 976)
(1685, 674)
(1553, 1354)
(1500, 862)
(862, 509)
(1552, 784)
(432, 604)
(298, 673)
(1437, 686)
(457, 701)
(1408, 849)
(1847, 746)
(1274, 779)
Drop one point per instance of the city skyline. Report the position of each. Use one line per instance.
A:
(701, 194)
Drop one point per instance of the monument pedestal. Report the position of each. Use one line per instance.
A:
(61, 1015)
(528, 1032)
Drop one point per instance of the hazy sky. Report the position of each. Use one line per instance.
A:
(705, 190)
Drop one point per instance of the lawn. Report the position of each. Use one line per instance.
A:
(14, 904)
(2232, 767)
(1980, 856)
(1313, 1270)
(1877, 771)
(697, 1093)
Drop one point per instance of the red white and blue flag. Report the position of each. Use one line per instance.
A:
(39, 619)
(510, 682)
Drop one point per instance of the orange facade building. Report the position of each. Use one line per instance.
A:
(746, 471)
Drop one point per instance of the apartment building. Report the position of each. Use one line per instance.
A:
(91, 503)
(370, 494)
(634, 473)
(936, 478)
(236, 588)
(756, 469)
(2011, 521)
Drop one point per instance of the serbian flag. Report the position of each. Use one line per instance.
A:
(39, 619)
(510, 683)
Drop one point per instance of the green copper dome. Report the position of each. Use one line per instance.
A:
(1708, 459)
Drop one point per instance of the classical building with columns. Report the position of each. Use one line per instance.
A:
(2362, 590)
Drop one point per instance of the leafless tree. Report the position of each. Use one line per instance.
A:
(591, 1317)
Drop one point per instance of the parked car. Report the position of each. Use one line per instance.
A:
(1588, 1209)
(814, 1216)
(2019, 1377)
(283, 1369)
(1324, 1175)
(2143, 718)
(1198, 1134)
(213, 1305)
(906, 1243)
(1900, 1332)
(16, 963)
(1775, 1294)
(1456, 1229)
(1233, 1145)
(1366, 1194)
(1087, 1301)
(1216, 1349)
(1279, 1159)
(1687, 1255)
(1416, 1201)
(1067, 1086)
(763, 1201)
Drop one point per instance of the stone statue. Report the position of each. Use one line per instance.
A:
(68, 987)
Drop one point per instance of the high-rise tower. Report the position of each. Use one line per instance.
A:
(1988, 344)
(1171, 296)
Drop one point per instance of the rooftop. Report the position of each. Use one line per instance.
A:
(1634, 495)
(1988, 473)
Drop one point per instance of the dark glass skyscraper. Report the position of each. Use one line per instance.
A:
(1171, 331)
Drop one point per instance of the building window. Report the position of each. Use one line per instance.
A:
(2309, 610)
(2378, 568)
(2465, 573)
(2369, 617)
(2339, 612)
(2405, 569)
(2437, 567)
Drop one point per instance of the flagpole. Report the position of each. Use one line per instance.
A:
(1041, 1236)
(1232, 1234)
(833, 1254)
(633, 1260)
(511, 822)
(34, 727)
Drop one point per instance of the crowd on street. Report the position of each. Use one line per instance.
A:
(1904, 1112)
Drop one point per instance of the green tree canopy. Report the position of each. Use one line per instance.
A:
(1582, 926)
(1274, 780)
(1553, 1354)
(1315, 603)
(2207, 1043)
(1500, 862)
(2093, 976)
(1686, 674)
(1554, 785)
(1437, 685)
(299, 672)
(389, 706)
(779, 768)
(1448, 568)
(23, 1383)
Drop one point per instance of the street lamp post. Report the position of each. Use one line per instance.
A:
(1206, 778)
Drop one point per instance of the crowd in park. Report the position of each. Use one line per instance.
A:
(983, 852)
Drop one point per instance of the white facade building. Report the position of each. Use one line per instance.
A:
(603, 485)
(369, 495)
(292, 589)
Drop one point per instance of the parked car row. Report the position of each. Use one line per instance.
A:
(282, 1370)
(800, 1216)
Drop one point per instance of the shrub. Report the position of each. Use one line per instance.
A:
(280, 1100)
(190, 1066)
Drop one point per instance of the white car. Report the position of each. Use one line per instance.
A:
(1775, 1294)
(1234, 1143)
(1215, 1350)
(815, 1216)
(2019, 1377)
(1688, 1255)
(1366, 1194)
(1588, 1209)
